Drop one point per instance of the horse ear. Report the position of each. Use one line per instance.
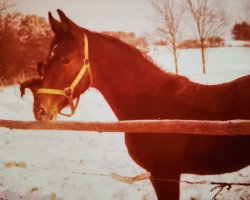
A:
(55, 25)
(67, 24)
(22, 89)
(63, 17)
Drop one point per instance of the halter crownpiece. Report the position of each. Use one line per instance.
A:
(68, 91)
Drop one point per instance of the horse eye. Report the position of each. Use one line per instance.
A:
(65, 61)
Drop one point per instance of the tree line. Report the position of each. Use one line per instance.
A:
(24, 40)
(241, 31)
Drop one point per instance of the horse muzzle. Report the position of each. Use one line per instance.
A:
(43, 114)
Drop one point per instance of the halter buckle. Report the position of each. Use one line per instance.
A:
(68, 92)
(86, 61)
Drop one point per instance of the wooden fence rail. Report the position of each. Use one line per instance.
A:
(233, 127)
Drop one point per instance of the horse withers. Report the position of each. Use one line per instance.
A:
(135, 89)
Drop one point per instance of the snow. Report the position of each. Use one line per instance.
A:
(77, 165)
(53, 156)
(223, 64)
(236, 43)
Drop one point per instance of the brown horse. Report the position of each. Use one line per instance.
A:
(137, 89)
(35, 83)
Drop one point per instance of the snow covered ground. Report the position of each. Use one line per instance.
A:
(223, 64)
(76, 166)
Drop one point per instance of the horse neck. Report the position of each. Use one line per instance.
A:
(122, 73)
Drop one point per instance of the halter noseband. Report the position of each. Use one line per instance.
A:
(68, 91)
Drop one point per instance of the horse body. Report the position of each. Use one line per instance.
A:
(136, 89)
(153, 94)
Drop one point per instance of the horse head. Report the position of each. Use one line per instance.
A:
(67, 73)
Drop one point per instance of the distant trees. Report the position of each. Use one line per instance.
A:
(9, 46)
(35, 33)
(209, 22)
(170, 16)
(210, 42)
(24, 40)
(241, 31)
(209, 18)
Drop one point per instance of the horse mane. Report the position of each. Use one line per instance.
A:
(129, 46)
(118, 41)
(140, 54)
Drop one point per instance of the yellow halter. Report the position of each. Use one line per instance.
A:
(68, 91)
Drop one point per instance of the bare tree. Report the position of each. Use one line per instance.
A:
(170, 15)
(247, 11)
(209, 17)
(5, 4)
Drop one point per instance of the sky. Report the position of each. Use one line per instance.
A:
(108, 15)
(99, 15)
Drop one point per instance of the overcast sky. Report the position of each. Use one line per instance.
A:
(108, 15)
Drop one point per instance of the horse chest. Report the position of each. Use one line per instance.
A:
(153, 150)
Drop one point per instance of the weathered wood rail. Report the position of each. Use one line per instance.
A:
(232, 127)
